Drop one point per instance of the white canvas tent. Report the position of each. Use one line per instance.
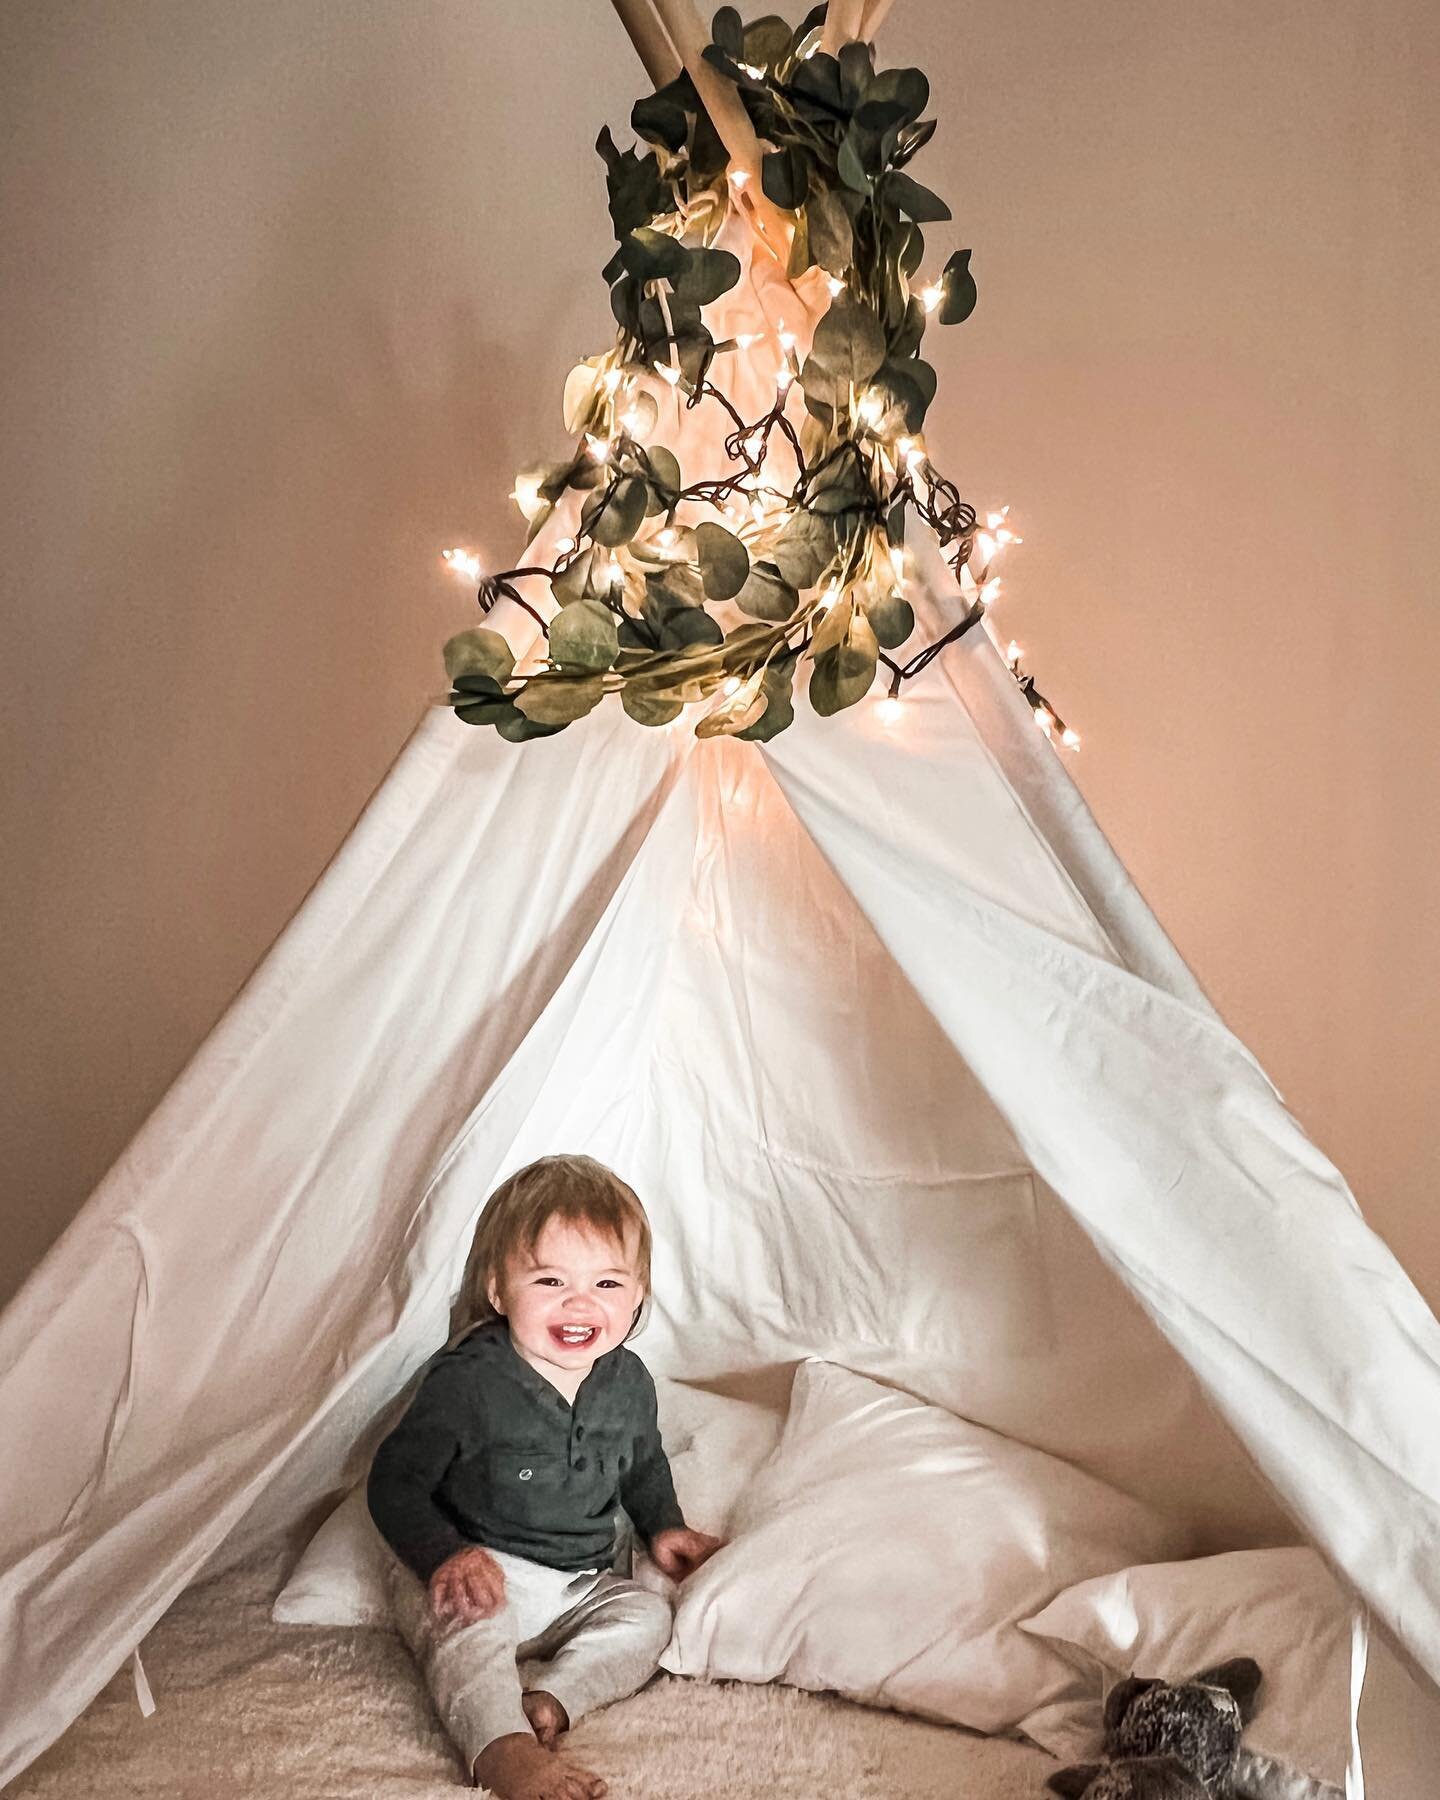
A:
(904, 1068)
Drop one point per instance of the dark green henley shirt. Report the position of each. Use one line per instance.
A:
(490, 1453)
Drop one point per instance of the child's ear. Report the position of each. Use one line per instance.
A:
(492, 1294)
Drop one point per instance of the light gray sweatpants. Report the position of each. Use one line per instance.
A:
(587, 1639)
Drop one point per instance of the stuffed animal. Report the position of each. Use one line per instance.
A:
(1169, 1742)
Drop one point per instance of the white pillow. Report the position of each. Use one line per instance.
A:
(715, 1445)
(1282, 1607)
(888, 1549)
(340, 1580)
(1172, 1619)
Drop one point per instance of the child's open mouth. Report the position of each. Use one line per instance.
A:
(574, 1337)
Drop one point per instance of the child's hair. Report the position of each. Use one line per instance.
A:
(575, 1189)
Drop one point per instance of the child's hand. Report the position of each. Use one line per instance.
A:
(468, 1586)
(680, 1553)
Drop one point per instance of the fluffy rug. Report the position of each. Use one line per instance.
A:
(245, 1707)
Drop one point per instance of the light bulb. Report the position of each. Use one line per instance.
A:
(870, 408)
(835, 285)
(889, 710)
(995, 519)
(611, 380)
(745, 339)
(897, 561)
(526, 494)
(826, 600)
(616, 573)
(990, 593)
(1013, 654)
(598, 447)
(668, 372)
(738, 177)
(1044, 719)
(732, 686)
(1070, 739)
(667, 536)
(463, 562)
(931, 296)
(987, 547)
(563, 546)
(787, 338)
(783, 378)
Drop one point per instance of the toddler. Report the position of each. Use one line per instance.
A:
(498, 1489)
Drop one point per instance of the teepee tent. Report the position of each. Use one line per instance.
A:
(904, 1069)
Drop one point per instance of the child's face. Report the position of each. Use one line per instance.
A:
(569, 1301)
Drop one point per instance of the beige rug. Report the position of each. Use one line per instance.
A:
(245, 1707)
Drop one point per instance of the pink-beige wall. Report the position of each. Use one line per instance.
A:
(291, 289)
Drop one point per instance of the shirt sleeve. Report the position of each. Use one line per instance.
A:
(410, 1465)
(647, 1490)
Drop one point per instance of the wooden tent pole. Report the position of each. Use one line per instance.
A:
(648, 35)
(875, 11)
(844, 24)
(730, 120)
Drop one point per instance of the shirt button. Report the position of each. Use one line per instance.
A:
(525, 1474)
(579, 1431)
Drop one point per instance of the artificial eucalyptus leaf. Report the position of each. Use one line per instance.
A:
(571, 582)
(639, 415)
(915, 201)
(664, 475)
(484, 712)
(892, 618)
(960, 290)
(648, 708)
(830, 236)
(724, 561)
(905, 339)
(538, 521)
(704, 276)
(804, 549)
(652, 255)
(767, 41)
(690, 625)
(558, 699)
(479, 651)
(581, 400)
(849, 345)
(908, 388)
(662, 117)
(834, 623)
(785, 176)
(633, 634)
(583, 635)
(910, 249)
(732, 713)
(619, 515)
(779, 703)
(895, 96)
(845, 673)
(728, 31)
(800, 258)
(912, 139)
(517, 729)
(857, 71)
(817, 78)
(850, 163)
(766, 593)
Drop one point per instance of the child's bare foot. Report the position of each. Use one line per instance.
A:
(548, 1718)
(517, 1768)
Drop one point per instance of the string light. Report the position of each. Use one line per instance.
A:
(463, 563)
(783, 378)
(890, 709)
(738, 177)
(563, 546)
(598, 447)
(827, 600)
(870, 409)
(1013, 654)
(835, 285)
(526, 494)
(746, 339)
(1070, 739)
(989, 593)
(931, 296)
(611, 380)
(732, 686)
(1045, 719)
(666, 537)
(897, 562)
(668, 373)
(787, 338)
(616, 572)
(1003, 533)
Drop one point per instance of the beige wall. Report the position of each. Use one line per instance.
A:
(291, 290)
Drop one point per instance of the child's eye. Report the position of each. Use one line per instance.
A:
(607, 1281)
(547, 1281)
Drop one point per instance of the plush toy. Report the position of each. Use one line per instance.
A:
(1167, 1742)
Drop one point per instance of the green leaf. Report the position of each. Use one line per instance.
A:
(557, 699)
(583, 636)
(831, 236)
(652, 255)
(845, 673)
(488, 711)
(704, 276)
(616, 520)
(911, 249)
(665, 478)
(848, 345)
(804, 549)
(647, 708)
(911, 140)
(779, 703)
(857, 71)
(572, 581)
(892, 98)
(960, 290)
(728, 32)
(767, 594)
(817, 78)
(767, 41)
(479, 651)
(850, 163)
(916, 202)
(724, 561)
(785, 176)
(892, 618)
(800, 258)
(516, 728)
(690, 625)
(734, 712)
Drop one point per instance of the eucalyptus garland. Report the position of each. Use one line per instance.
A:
(675, 591)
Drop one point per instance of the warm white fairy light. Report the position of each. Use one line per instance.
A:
(668, 372)
(731, 686)
(784, 376)
(990, 592)
(526, 494)
(1070, 739)
(667, 537)
(870, 408)
(835, 285)
(738, 177)
(463, 562)
(1045, 719)
(897, 562)
(611, 380)
(890, 709)
(931, 296)
(746, 339)
(598, 447)
(1013, 654)
(1003, 533)
(827, 600)
(615, 572)
(787, 338)
(563, 546)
